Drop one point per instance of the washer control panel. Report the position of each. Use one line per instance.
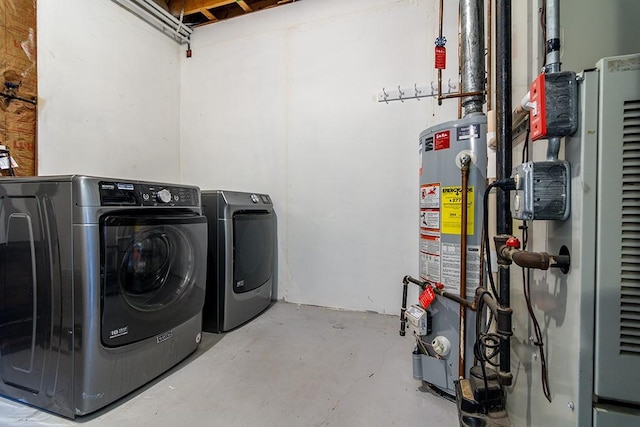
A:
(142, 194)
(259, 199)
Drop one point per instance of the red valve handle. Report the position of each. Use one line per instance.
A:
(513, 242)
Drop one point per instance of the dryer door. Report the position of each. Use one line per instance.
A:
(153, 271)
(253, 249)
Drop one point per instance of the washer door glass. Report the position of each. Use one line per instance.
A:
(150, 277)
(153, 274)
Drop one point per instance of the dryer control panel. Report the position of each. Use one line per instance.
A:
(144, 194)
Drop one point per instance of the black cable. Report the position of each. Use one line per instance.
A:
(486, 340)
(526, 283)
(539, 342)
(525, 146)
(477, 350)
(504, 184)
(485, 233)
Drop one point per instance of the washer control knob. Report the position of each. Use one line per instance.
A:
(255, 198)
(164, 196)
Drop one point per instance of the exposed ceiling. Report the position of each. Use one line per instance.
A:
(200, 12)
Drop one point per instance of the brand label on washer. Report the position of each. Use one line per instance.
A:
(124, 186)
(115, 333)
(163, 337)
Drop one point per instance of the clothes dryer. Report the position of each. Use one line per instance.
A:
(102, 284)
(241, 259)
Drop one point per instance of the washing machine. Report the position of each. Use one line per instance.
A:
(102, 284)
(242, 257)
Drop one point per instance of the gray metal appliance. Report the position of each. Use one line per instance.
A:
(592, 314)
(442, 148)
(102, 284)
(242, 257)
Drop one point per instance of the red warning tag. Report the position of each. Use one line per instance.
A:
(442, 140)
(426, 297)
(441, 57)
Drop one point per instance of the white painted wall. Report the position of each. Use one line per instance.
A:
(109, 94)
(284, 102)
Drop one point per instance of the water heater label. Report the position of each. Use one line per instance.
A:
(430, 195)
(442, 140)
(451, 268)
(430, 267)
(430, 218)
(430, 243)
(468, 132)
(452, 212)
(430, 256)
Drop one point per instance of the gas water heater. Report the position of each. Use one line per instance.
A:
(444, 149)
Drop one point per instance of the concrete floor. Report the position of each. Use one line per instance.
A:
(292, 366)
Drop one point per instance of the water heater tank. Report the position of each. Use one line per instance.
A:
(441, 149)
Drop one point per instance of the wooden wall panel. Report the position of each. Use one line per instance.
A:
(18, 77)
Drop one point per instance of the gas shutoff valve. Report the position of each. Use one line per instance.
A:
(508, 251)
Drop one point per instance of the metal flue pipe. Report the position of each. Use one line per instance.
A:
(472, 54)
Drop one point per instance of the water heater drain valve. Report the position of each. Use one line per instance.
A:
(441, 345)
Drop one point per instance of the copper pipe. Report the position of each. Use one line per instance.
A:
(460, 94)
(440, 97)
(423, 284)
(465, 160)
(455, 298)
(441, 18)
(459, 62)
(440, 37)
(489, 58)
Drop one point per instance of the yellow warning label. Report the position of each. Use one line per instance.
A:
(451, 213)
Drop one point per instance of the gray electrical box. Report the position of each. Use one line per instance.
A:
(542, 191)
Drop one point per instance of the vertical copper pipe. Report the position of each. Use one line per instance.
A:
(459, 63)
(441, 18)
(439, 70)
(465, 160)
(489, 56)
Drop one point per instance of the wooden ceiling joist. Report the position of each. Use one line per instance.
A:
(244, 6)
(210, 16)
(200, 12)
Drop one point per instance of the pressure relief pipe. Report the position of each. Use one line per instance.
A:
(465, 161)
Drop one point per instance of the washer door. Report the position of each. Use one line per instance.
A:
(153, 274)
